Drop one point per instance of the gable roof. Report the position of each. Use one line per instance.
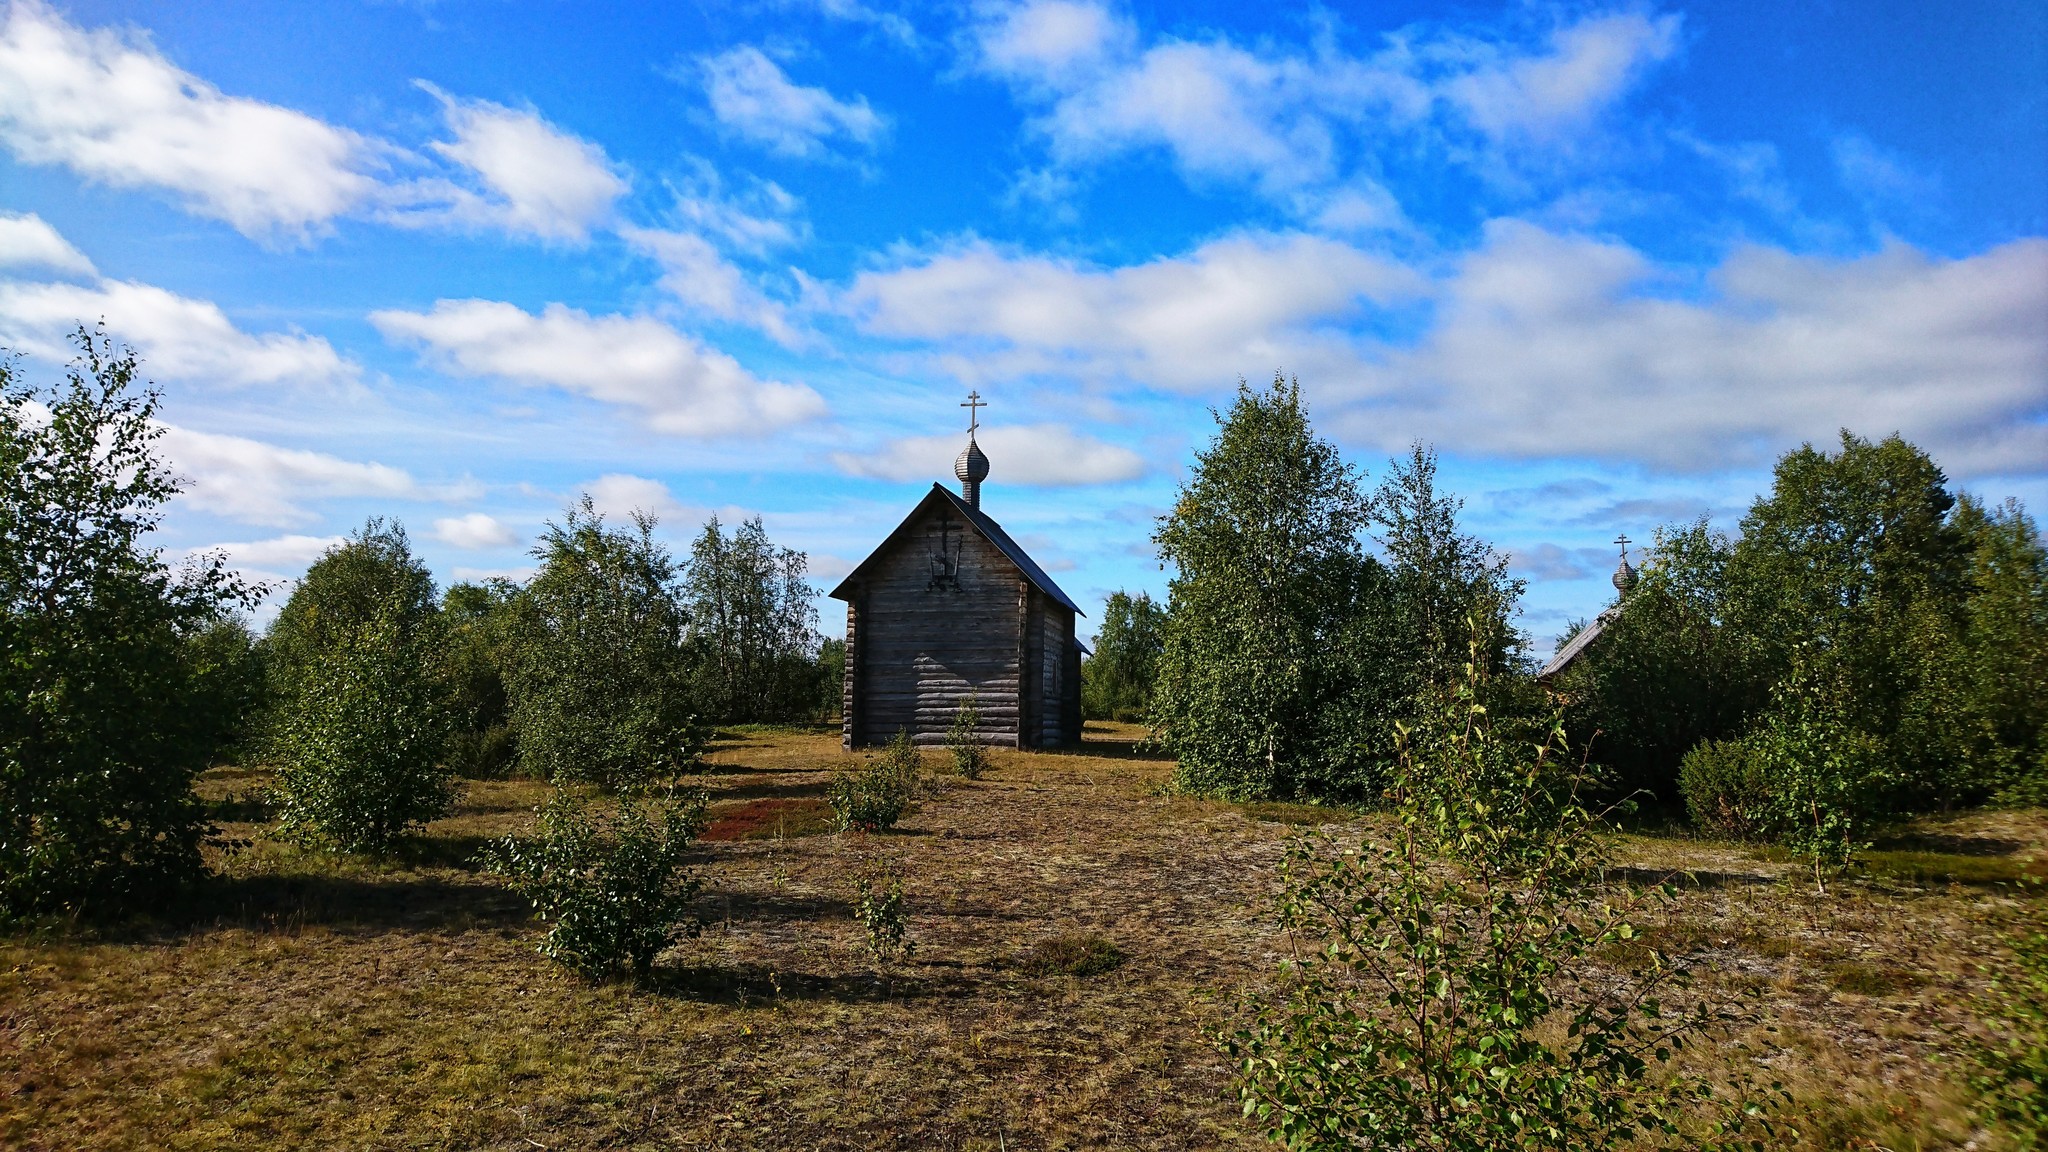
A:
(1578, 644)
(989, 529)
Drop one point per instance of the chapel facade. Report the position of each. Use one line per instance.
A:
(949, 608)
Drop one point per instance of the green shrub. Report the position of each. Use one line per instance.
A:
(1449, 990)
(2010, 1069)
(359, 724)
(612, 885)
(1828, 780)
(875, 794)
(1726, 790)
(120, 679)
(598, 671)
(878, 905)
(486, 754)
(970, 755)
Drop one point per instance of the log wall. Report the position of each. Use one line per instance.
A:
(915, 651)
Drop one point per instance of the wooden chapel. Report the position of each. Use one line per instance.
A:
(949, 607)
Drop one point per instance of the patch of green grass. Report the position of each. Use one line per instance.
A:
(1073, 954)
(1306, 815)
(1913, 867)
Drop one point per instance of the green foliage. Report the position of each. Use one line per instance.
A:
(2009, 1069)
(1727, 789)
(1931, 610)
(878, 905)
(1276, 657)
(479, 621)
(1440, 579)
(1116, 681)
(753, 628)
(1667, 673)
(1828, 781)
(874, 795)
(1854, 554)
(1445, 991)
(831, 676)
(612, 884)
(122, 679)
(599, 676)
(360, 720)
(2005, 652)
(963, 740)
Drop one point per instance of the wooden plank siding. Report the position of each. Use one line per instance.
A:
(915, 648)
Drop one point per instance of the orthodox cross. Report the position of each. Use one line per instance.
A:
(973, 404)
(1624, 542)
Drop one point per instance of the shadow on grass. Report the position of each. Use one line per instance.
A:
(1117, 748)
(769, 791)
(757, 984)
(1697, 879)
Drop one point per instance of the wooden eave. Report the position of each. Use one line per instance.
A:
(989, 529)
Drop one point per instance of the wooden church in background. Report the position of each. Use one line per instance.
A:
(949, 606)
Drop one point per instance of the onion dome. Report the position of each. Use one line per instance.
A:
(972, 468)
(1624, 577)
(972, 464)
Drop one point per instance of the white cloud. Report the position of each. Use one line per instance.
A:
(751, 97)
(176, 336)
(619, 495)
(1245, 305)
(1033, 455)
(637, 362)
(474, 531)
(108, 106)
(28, 241)
(1879, 177)
(1288, 119)
(760, 216)
(260, 483)
(538, 181)
(1051, 40)
(285, 553)
(695, 273)
(1587, 67)
(1562, 345)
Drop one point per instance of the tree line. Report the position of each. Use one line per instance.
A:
(370, 692)
(1870, 642)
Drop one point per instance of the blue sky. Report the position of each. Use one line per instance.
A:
(457, 262)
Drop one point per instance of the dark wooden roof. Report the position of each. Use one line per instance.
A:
(983, 524)
(1578, 644)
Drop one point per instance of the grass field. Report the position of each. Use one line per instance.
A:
(1075, 931)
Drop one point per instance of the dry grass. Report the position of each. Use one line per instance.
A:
(310, 1002)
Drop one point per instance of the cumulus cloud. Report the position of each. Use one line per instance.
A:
(1033, 455)
(284, 552)
(620, 495)
(1290, 119)
(110, 107)
(537, 180)
(1546, 562)
(177, 337)
(695, 273)
(636, 362)
(1584, 68)
(474, 531)
(757, 217)
(1240, 305)
(28, 241)
(1562, 345)
(751, 97)
(259, 483)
